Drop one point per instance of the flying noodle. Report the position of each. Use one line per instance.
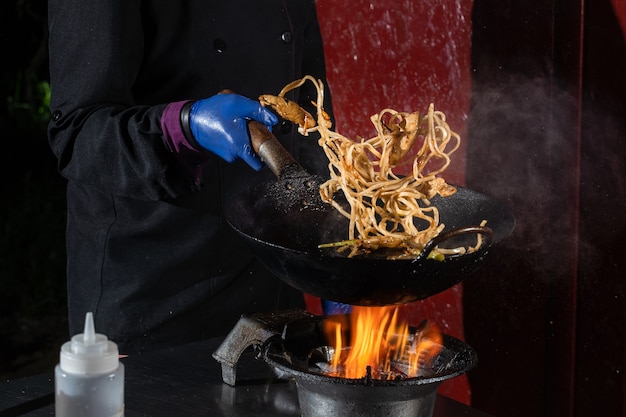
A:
(384, 208)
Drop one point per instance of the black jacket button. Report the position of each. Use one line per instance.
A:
(219, 45)
(286, 37)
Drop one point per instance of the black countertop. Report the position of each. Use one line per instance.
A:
(187, 381)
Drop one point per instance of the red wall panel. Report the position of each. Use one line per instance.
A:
(403, 55)
(398, 54)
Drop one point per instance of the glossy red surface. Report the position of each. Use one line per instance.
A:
(403, 55)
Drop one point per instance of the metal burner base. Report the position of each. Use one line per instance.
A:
(319, 400)
(285, 340)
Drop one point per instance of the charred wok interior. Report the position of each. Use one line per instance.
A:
(287, 243)
(284, 220)
(293, 344)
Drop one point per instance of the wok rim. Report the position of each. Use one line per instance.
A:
(506, 225)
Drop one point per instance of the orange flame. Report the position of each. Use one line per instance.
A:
(375, 338)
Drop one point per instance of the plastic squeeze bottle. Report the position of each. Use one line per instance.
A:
(89, 379)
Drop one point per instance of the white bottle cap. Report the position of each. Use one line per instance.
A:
(89, 352)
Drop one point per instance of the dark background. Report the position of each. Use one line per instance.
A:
(547, 134)
(32, 212)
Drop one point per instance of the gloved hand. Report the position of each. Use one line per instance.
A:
(218, 124)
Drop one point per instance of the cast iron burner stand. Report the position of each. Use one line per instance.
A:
(288, 340)
(252, 331)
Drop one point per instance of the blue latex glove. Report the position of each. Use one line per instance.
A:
(218, 124)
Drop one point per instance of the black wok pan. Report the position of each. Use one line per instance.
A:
(285, 238)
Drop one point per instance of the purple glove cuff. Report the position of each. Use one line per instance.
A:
(192, 158)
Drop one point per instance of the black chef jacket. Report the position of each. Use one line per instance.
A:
(148, 252)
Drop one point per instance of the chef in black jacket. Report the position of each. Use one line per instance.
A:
(150, 152)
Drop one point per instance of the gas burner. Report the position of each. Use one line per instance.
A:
(292, 343)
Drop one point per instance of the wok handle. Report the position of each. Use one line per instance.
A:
(441, 237)
(271, 151)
